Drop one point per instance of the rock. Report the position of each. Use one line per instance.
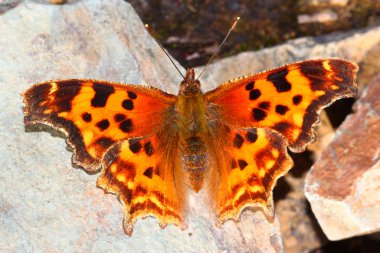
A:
(293, 210)
(46, 204)
(352, 45)
(370, 66)
(324, 16)
(343, 185)
(6, 5)
(318, 3)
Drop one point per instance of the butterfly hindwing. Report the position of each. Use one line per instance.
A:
(140, 172)
(252, 161)
(96, 114)
(286, 99)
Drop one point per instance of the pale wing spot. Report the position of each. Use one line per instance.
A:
(275, 153)
(48, 111)
(320, 93)
(262, 173)
(53, 88)
(92, 151)
(296, 132)
(63, 115)
(298, 119)
(113, 168)
(88, 136)
(269, 164)
(130, 185)
(121, 178)
(326, 65)
(157, 202)
(139, 199)
(256, 188)
(239, 193)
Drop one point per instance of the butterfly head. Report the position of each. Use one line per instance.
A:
(190, 86)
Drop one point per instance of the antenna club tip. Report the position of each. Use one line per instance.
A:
(237, 18)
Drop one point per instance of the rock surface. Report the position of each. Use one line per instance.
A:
(324, 16)
(46, 204)
(343, 185)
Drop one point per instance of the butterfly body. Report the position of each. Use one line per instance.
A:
(153, 147)
(193, 128)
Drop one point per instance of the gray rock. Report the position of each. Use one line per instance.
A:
(324, 16)
(46, 204)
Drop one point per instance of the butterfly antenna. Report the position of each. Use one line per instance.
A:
(220, 45)
(167, 54)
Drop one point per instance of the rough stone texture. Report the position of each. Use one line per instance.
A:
(343, 185)
(318, 3)
(299, 231)
(319, 17)
(45, 204)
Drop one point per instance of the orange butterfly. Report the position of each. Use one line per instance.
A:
(231, 142)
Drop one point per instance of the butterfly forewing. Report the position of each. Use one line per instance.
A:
(96, 114)
(287, 99)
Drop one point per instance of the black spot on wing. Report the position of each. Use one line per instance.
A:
(249, 86)
(87, 117)
(282, 109)
(279, 80)
(297, 99)
(254, 94)
(264, 105)
(127, 104)
(119, 117)
(251, 136)
(126, 126)
(148, 148)
(131, 95)
(258, 114)
(134, 146)
(242, 164)
(102, 92)
(149, 172)
(238, 141)
(103, 124)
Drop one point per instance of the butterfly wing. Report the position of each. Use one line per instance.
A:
(125, 130)
(259, 116)
(96, 114)
(286, 99)
(248, 162)
(140, 171)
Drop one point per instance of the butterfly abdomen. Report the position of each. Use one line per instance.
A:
(194, 161)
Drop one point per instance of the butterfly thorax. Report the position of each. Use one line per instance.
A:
(192, 129)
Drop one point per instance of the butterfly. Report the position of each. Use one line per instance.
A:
(154, 148)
